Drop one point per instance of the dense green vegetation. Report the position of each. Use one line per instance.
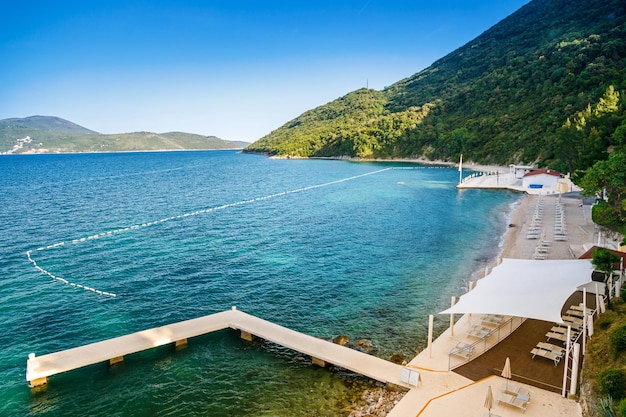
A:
(52, 134)
(545, 86)
(605, 361)
(504, 97)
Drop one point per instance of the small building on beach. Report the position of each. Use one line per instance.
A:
(542, 178)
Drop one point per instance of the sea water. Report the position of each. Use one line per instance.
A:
(95, 246)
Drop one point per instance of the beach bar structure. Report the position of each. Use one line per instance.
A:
(322, 352)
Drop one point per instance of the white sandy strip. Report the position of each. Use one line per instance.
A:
(167, 219)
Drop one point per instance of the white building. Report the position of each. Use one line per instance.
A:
(542, 178)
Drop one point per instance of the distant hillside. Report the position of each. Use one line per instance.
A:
(45, 134)
(505, 97)
(200, 141)
(44, 123)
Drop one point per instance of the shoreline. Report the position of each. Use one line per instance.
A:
(507, 238)
(514, 244)
(469, 165)
(428, 162)
(380, 402)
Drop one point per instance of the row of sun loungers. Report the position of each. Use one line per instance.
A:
(489, 323)
(574, 319)
(541, 251)
(560, 226)
(534, 228)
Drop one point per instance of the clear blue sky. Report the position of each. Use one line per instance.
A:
(234, 69)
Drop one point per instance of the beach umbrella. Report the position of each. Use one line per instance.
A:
(506, 371)
(489, 400)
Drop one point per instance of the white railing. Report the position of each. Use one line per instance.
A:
(485, 343)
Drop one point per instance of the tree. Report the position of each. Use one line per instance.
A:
(608, 177)
(603, 260)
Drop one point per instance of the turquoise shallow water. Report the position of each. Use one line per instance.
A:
(324, 247)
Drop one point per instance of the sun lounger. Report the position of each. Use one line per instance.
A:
(546, 354)
(576, 326)
(560, 333)
(512, 400)
(575, 313)
(551, 347)
(519, 391)
(548, 351)
(479, 332)
(563, 330)
(573, 321)
(463, 350)
(579, 307)
(492, 319)
(558, 329)
(558, 336)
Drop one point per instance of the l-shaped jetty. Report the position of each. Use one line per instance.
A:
(322, 352)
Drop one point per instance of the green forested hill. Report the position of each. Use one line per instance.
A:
(504, 97)
(46, 134)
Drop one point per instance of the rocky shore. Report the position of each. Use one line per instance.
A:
(377, 402)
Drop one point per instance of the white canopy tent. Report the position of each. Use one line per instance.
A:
(535, 289)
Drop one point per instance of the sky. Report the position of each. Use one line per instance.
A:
(236, 69)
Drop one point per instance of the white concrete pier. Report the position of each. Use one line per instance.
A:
(40, 368)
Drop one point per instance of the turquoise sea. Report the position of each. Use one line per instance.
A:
(325, 247)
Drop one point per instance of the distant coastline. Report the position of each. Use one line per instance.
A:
(34, 152)
(418, 161)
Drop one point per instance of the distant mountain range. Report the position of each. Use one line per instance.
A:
(48, 134)
(544, 86)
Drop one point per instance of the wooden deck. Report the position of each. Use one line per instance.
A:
(40, 368)
(538, 372)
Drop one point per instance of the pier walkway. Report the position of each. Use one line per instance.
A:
(40, 368)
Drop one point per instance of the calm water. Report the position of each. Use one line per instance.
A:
(314, 245)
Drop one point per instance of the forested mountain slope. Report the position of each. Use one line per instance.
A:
(504, 97)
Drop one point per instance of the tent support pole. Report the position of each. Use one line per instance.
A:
(452, 303)
(567, 349)
(431, 320)
(584, 319)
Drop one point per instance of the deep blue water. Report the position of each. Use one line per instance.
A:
(178, 235)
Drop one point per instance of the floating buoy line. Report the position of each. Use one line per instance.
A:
(127, 229)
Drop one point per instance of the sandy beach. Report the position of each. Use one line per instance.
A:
(581, 232)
